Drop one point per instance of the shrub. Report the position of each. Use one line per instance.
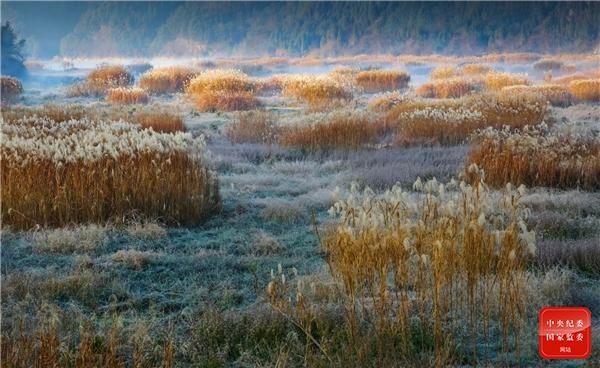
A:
(452, 121)
(122, 95)
(335, 130)
(382, 80)
(11, 88)
(86, 171)
(555, 94)
(446, 88)
(497, 81)
(166, 80)
(585, 90)
(253, 127)
(317, 92)
(100, 80)
(538, 157)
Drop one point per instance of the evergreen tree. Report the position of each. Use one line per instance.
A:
(12, 53)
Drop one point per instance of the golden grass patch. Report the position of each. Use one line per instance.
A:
(59, 173)
(555, 94)
(100, 80)
(167, 79)
(586, 89)
(537, 157)
(253, 127)
(446, 88)
(496, 81)
(382, 80)
(318, 92)
(128, 96)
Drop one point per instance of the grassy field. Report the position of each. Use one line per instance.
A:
(406, 212)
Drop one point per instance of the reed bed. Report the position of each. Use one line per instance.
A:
(451, 121)
(318, 92)
(127, 96)
(99, 81)
(84, 171)
(446, 88)
(443, 72)
(223, 90)
(446, 263)
(253, 127)
(538, 156)
(10, 88)
(585, 90)
(384, 102)
(160, 120)
(372, 81)
(588, 74)
(167, 79)
(497, 81)
(555, 94)
(336, 130)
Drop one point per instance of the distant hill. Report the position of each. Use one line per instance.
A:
(297, 28)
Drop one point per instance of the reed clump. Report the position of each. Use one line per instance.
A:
(451, 121)
(100, 80)
(555, 94)
(167, 79)
(127, 96)
(496, 81)
(223, 90)
(538, 156)
(372, 81)
(318, 92)
(446, 264)
(85, 171)
(336, 130)
(586, 89)
(446, 88)
(253, 127)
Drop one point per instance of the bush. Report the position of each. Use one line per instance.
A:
(166, 80)
(11, 88)
(382, 80)
(96, 171)
(127, 96)
(585, 90)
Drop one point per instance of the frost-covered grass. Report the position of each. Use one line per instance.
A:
(143, 292)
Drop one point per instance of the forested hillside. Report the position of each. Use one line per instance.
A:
(155, 28)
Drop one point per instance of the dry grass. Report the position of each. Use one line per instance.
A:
(85, 171)
(386, 101)
(127, 96)
(10, 88)
(69, 239)
(160, 120)
(100, 80)
(585, 90)
(253, 127)
(555, 94)
(223, 90)
(588, 74)
(454, 120)
(443, 72)
(438, 264)
(538, 157)
(372, 81)
(475, 69)
(336, 130)
(167, 80)
(497, 81)
(553, 65)
(318, 92)
(446, 88)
